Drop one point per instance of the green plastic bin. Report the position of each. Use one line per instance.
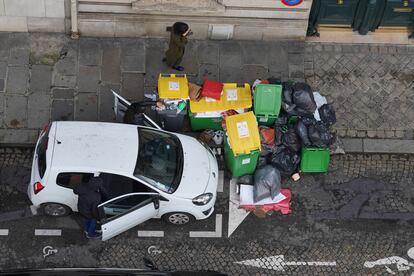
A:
(242, 144)
(314, 159)
(204, 123)
(241, 164)
(267, 103)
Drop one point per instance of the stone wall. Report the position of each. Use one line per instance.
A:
(251, 20)
(32, 16)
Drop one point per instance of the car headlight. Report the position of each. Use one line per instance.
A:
(203, 199)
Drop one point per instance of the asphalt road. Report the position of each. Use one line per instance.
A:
(357, 219)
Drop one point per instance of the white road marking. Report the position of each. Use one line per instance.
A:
(236, 215)
(220, 185)
(278, 262)
(4, 232)
(48, 232)
(218, 233)
(400, 263)
(151, 234)
(48, 250)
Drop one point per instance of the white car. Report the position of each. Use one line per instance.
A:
(148, 173)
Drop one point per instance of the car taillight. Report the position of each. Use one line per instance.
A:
(37, 187)
(45, 128)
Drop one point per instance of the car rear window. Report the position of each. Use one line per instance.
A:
(41, 153)
(70, 179)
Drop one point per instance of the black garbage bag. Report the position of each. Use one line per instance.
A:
(287, 92)
(302, 131)
(327, 114)
(279, 135)
(261, 162)
(273, 80)
(319, 135)
(282, 119)
(302, 97)
(285, 160)
(246, 180)
(267, 149)
(267, 183)
(291, 139)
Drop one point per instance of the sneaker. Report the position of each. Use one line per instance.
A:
(178, 68)
(94, 237)
(99, 231)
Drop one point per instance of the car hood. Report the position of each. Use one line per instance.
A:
(196, 170)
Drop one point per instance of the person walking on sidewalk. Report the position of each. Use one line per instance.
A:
(178, 39)
(89, 198)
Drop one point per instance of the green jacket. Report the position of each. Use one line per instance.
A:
(175, 50)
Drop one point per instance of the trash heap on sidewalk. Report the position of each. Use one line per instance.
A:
(286, 133)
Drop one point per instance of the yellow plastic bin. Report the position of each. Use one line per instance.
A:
(172, 87)
(242, 145)
(205, 113)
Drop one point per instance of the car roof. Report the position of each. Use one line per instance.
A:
(95, 147)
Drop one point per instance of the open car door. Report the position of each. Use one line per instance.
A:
(126, 211)
(120, 107)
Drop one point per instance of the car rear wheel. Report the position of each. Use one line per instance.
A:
(178, 218)
(55, 209)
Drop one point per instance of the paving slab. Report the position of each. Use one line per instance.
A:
(3, 69)
(252, 72)
(17, 79)
(63, 93)
(86, 107)
(66, 66)
(106, 102)
(18, 136)
(89, 52)
(111, 62)
(133, 58)
(38, 112)
(208, 52)
(4, 47)
(19, 56)
(40, 79)
(89, 78)
(254, 52)
(15, 111)
(2, 106)
(133, 86)
(388, 146)
(208, 71)
(62, 110)
(64, 81)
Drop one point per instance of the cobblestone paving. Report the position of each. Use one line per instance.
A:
(371, 86)
(327, 224)
(47, 77)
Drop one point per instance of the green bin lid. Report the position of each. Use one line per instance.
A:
(267, 99)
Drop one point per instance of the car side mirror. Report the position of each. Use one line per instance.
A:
(156, 200)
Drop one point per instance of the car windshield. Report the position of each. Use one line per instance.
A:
(160, 159)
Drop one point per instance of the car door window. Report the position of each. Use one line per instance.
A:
(125, 204)
(70, 179)
(117, 185)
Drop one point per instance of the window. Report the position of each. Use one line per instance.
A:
(117, 185)
(160, 159)
(70, 179)
(41, 152)
(125, 204)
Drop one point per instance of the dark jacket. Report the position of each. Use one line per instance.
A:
(89, 198)
(175, 50)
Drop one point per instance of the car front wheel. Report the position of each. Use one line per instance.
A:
(178, 218)
(55, 209)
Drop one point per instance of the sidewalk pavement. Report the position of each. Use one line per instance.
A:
(47, 77)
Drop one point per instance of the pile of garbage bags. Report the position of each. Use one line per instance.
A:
(304, 121)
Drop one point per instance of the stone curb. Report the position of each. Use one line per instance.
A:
(365, 145)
